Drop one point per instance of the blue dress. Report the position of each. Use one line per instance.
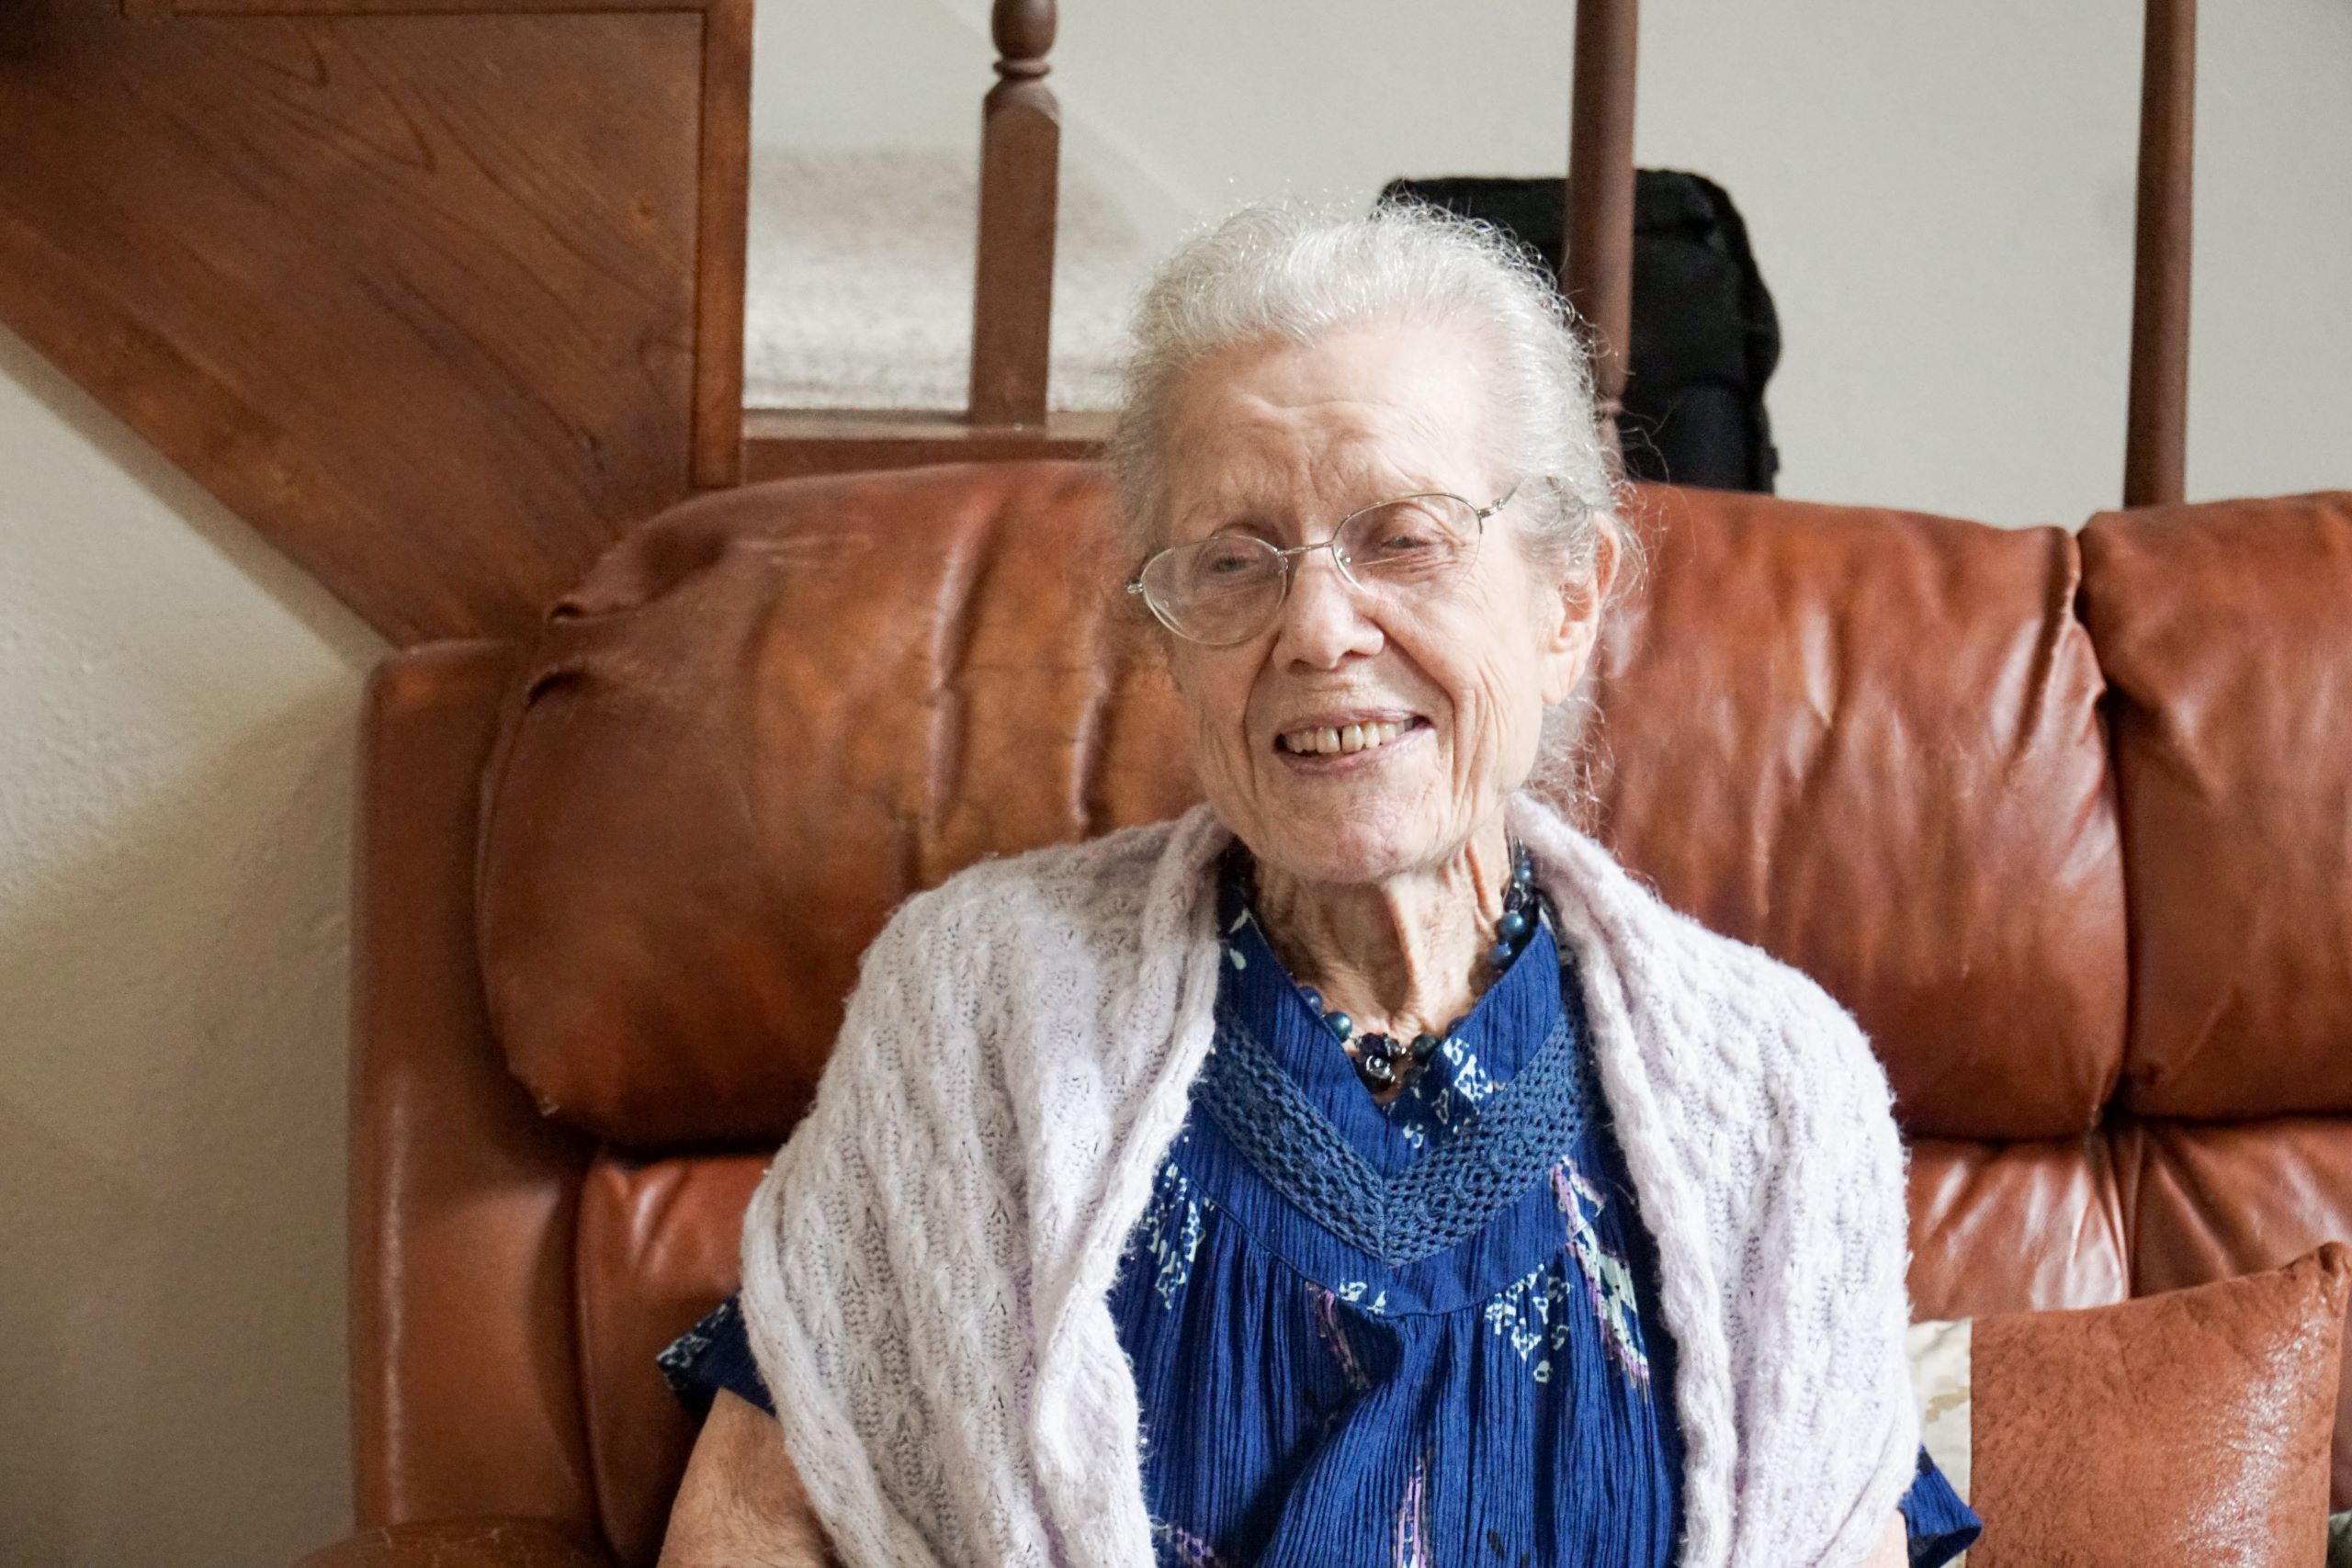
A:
(1421, 1335)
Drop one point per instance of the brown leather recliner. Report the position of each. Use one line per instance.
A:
(2067, 820)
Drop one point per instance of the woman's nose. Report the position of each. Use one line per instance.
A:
(1323, 616)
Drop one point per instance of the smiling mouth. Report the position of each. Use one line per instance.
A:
(1345, 740)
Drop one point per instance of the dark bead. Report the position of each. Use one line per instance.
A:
(1523, 872)
(1512, 926)
(1500, 954)
(1424, 1046)
(1312, 996)
(1377, 1071)
(1342, 1024)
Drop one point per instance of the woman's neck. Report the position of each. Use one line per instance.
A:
(1398, 956)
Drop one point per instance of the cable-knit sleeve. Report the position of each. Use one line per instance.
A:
(887, 1340)
(1830, 1245)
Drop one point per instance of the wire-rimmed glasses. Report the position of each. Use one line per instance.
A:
(1230, 587)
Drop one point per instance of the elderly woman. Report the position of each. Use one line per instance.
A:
(1364, 1169)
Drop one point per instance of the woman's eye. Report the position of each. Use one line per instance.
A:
(1402, 530)
(1403, 537)
(1227, 561)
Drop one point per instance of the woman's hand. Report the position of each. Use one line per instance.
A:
(741, 1504)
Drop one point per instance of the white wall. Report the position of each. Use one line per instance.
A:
(1940, 196)
(177, 710)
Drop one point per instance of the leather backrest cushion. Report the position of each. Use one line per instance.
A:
(1869, 742)
(2176, 1431)
(2226, 630)
(765, 719)
(1865, 740)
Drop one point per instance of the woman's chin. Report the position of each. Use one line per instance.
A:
(1345, 852)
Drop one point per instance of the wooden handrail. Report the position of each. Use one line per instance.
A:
(1013, 305)
(2155, 443)
(1597, 263)
(722, 238)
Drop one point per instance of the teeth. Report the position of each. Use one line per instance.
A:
(1343, 740)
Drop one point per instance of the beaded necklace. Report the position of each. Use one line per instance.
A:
(1380, 1061)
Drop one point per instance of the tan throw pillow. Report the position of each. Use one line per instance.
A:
(2190, 1427)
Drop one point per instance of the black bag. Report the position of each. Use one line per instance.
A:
(1705, 336)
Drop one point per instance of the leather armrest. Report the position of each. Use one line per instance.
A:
(484, 1542)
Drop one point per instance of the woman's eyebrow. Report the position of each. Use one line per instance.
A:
(1372, 478)
(1219, 510)
(1361, 484)
(1245, 525)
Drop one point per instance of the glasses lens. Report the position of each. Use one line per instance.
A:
(1417, 542)
(1222, 590)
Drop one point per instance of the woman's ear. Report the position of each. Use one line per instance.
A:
(1572, 619)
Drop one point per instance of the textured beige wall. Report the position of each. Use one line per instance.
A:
(177, 713)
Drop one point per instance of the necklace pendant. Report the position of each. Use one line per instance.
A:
(1380, 1062)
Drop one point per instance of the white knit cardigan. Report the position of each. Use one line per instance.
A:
(926, 1263)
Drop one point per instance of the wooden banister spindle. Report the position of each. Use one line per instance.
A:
(1021, 138)
(2156, 444)
(1597, 264)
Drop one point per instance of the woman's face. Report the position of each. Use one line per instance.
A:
(1283, 440)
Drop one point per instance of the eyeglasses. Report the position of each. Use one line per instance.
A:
(1228, 587)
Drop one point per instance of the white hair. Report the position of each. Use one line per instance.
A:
(1293, 274)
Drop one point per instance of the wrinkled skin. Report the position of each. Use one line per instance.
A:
(1381, 873)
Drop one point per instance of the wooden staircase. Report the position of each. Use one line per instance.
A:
(439, 295)
(442, 296)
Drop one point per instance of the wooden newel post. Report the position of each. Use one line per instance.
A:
(1596, 264)
(1021, 139)
(2155, 441)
